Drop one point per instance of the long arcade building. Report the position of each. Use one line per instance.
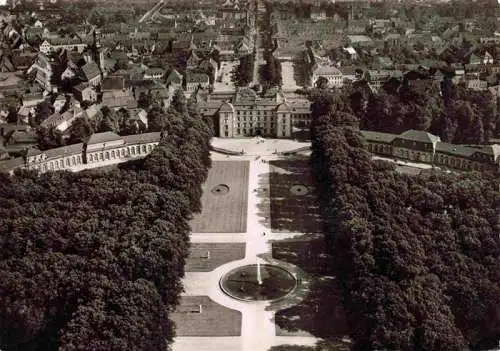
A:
(102, 149)
(420, 146)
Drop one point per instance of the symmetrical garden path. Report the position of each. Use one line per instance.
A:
(258, 330)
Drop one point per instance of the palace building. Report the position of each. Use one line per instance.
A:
(246, 114)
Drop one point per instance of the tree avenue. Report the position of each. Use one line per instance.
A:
(417, 256)
(93, 260)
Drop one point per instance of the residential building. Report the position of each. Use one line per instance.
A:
(477, 84)
(318, 14)
(154, 74)
(193, 60)
(43, 71)
(360, 40)
(488, 58)
(378, 77)
(56, 43)
(116, 99)
(91, 73)
(196, 80)
(84, 92)
(19, 140)
(353, 55)
(490, 40)
(62, 121)
(331, 73)
(32, 99)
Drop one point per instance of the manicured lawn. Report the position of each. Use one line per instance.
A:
(291, 212)
(220, 253)
(224, 213)
(214, 319)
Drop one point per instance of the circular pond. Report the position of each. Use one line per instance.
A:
(258, 282)
(221, 189)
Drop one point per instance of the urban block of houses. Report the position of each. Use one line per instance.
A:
(420, 146)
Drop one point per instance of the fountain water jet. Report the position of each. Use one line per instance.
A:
(259, 275)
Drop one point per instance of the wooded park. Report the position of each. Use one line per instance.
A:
(94, 260)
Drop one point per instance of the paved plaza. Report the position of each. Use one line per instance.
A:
(207, 318)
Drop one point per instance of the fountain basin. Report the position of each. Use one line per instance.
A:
(242, 283)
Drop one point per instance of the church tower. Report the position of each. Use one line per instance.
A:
(97, 52)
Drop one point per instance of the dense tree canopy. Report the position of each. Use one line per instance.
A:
(417, 256)
(270, 72)
(93, 260)
(243, 73)
(42, 111)
(458, 115)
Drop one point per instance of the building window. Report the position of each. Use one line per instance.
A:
(150, 148)
(73, 161)
(123, 152)
(144, 149)
(113, 154)
(61, 163)
(91, 158)
(133, 150)
(138, 149)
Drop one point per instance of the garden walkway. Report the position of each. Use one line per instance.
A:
(258, 330)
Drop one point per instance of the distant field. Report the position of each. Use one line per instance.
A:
(291, 212)
(214, 319)
(220, 253)
(224, 213)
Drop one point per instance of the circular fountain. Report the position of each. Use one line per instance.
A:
(258, 282)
